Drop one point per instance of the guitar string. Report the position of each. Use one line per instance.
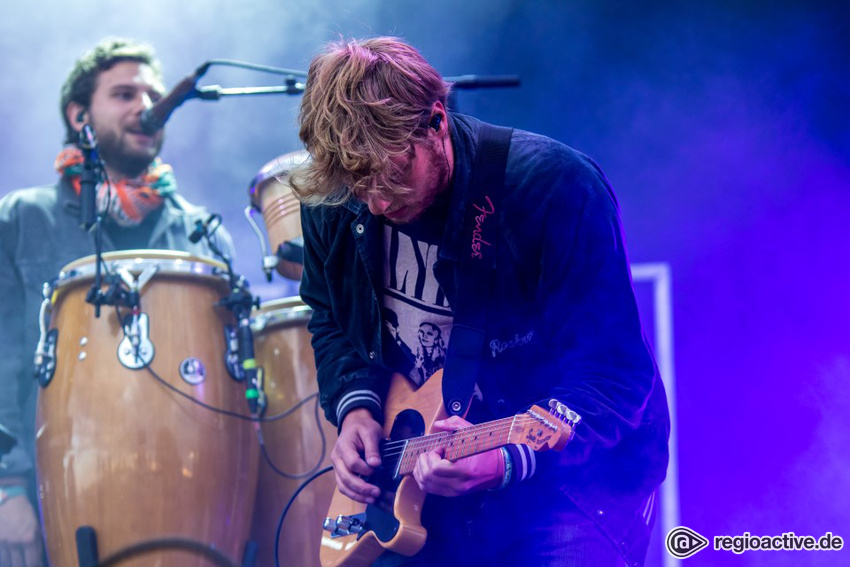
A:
(465, 433)
(436, 438)
(465, 430)
(417, 446)
(429, 442)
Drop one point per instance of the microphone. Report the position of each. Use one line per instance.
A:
(89, 177)
(202, 228)
(155, 117)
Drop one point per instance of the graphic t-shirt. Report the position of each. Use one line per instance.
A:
(416, 313)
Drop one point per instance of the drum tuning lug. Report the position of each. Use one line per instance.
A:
(45, 357)
(47, 289)
(45, 350)
(136, 349)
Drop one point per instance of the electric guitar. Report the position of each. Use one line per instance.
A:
(356, 533)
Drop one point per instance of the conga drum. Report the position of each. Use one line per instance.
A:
(271, 194)
(121, 452)
(294, 443)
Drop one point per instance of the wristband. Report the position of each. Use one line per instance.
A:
(509, 469)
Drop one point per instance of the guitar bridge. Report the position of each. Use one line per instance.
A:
(345, 525)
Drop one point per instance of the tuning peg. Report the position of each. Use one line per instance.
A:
(564, 413)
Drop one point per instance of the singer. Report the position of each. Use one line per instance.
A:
(108, 89)
(433, 241)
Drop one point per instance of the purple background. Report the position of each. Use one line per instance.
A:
(723, 129)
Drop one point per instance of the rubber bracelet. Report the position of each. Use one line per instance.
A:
(509, 469)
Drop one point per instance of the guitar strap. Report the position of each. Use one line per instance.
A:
(475, 273)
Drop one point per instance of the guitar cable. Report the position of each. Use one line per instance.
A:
(314, 468)
(171, 543)
(286, 510)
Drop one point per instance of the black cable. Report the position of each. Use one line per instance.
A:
(243, 416)
(314, 467)
(194, 400)
(286, 510)
(173, 543)
(291, 410)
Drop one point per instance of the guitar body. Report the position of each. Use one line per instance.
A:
(359, 533)
(394, 521)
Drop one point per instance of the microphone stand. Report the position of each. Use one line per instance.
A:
(90, 177)
(187, 89)
(215, 92)
(93, 173)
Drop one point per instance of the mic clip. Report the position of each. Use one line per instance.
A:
(202, 228)
(89, 178)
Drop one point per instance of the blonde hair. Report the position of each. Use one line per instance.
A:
(365, 102)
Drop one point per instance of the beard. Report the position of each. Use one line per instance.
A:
(437, 182)
(115, 151)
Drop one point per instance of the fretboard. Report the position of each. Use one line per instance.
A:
(456, 444)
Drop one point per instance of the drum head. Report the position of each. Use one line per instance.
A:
(169, 262)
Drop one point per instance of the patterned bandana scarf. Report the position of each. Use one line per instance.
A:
(132, 199)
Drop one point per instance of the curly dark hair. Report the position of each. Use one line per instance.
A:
(81, 82)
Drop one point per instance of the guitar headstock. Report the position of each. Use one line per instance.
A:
(543, 430)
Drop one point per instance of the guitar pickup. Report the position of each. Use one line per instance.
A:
(345, 525)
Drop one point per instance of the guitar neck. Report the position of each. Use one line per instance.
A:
(456, 444)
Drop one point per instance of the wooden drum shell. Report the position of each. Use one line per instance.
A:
(282, 348)
(272, 195)
(118, 451)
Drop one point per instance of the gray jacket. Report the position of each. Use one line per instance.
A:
(39, 234)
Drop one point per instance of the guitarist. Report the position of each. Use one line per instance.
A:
(394, 210)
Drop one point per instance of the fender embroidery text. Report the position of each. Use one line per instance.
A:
(477, 240)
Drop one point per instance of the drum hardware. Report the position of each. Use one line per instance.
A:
(192, 371)
(45, 351)
(292, 250)
(269, 260)
(136, 349)
(240, 302)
